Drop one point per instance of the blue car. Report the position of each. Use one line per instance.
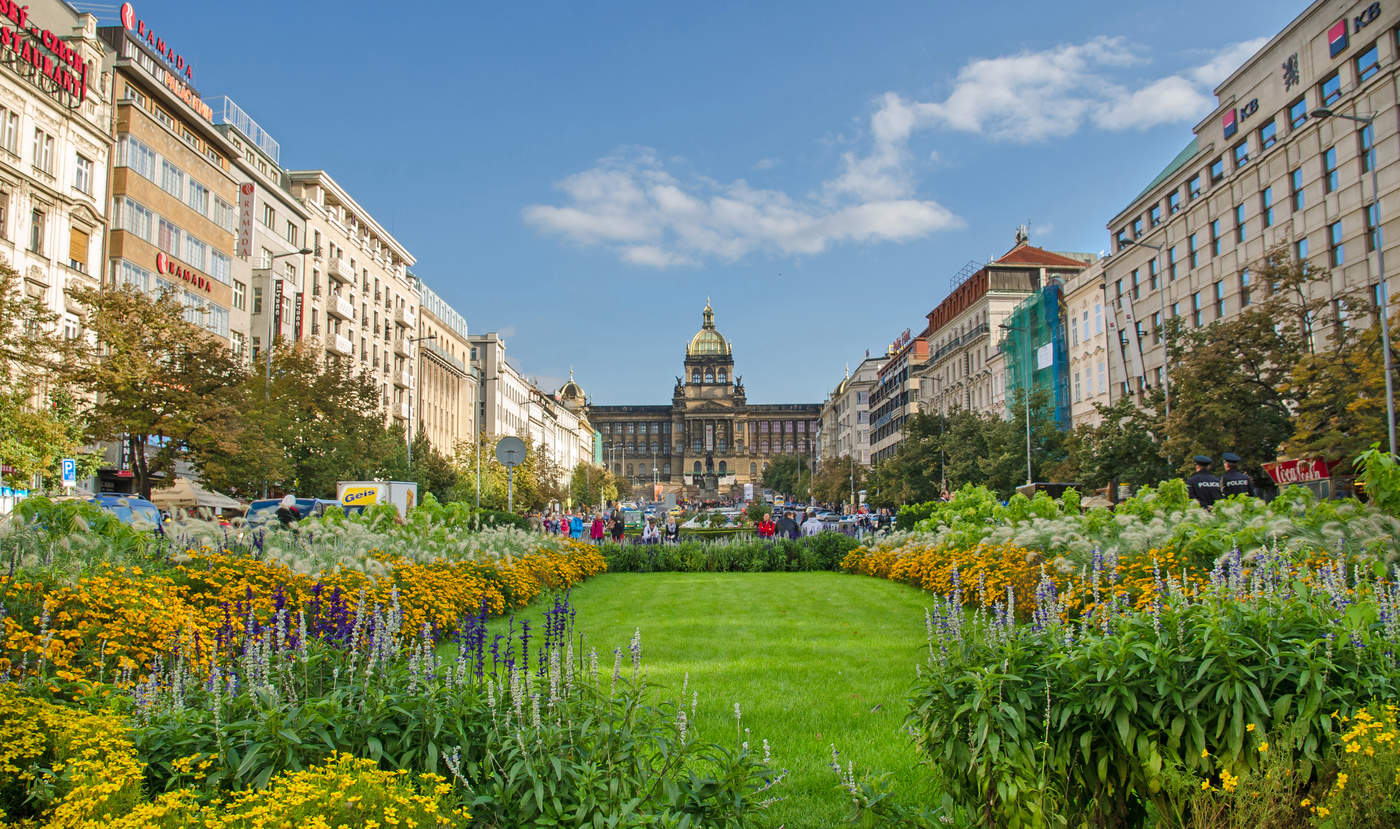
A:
(264, 512)
(129, 508)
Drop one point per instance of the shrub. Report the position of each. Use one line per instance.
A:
(736, 554)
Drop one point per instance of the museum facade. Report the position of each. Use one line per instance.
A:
(709, 441)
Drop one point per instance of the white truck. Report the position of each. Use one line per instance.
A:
(402, 494)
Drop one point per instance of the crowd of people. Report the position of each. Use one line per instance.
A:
(611, 524)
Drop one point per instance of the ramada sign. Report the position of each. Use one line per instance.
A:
(141, 30)
(164, 264)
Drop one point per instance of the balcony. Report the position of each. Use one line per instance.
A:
(340, 307)
(405, 316)
(403, 379)
(340, 344)
(403, 346)
(337, 271)
(401, 411)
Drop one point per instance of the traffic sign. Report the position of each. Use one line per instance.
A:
(510, 451)
(70, 473)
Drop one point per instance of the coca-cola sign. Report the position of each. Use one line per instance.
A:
(1300, 471)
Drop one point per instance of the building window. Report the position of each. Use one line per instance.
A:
(1367, 64)
(240, 295)
(1152, 273)
(43, 151)
(169, 238)
(1244, 288)
(172, 179)
(1239, 224)
(77, 249)
(1298, 112)
(1193, 186)
(82, 174)
(1157, 328)
(36, 231)
(1219, 300)
(1137, 293)
(257, 299)
(1373, 231)
(1295, 180)
(1173, 202)
(1331, 88)
(9, 131)
(1329, 169)
(1215, 237)
(1191, 253)
(1335, 254)
(1268, 134)
(1363, 141)
(1137, 228)
(291, 233)
(1217, 171)
(1241, 153)
(1300, 249)
(1196, 309)
(1171, 263)
(268, 216)
(1266, 206)
(1154, 215)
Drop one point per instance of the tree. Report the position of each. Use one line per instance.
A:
(158, 382)
(837, 480)
(591, 485)
(40, 420)
(1123, 447)
(432, 470)
(1339, 399)
(789, 474)
(537, 479)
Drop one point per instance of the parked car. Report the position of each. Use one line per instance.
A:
(129, 508)
(264, 512)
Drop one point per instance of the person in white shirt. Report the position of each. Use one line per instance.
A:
(811, 526)
(650, 533)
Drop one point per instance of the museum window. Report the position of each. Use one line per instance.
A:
(722, 377)
(723, 469)
(695, 376)
(753, 469)
(709, 377)
(697, 468)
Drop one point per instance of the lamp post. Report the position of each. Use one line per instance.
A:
(480, 422)
(1383, 296)
(1162, 312)
(272, 315)
(409, 430)
(1027, 395)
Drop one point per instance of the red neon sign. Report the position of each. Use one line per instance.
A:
(142, 31)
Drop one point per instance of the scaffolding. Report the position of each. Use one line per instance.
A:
(1035, 352)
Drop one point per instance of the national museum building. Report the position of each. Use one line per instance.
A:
(709, 441)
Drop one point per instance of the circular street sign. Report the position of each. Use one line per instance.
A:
(510, 451)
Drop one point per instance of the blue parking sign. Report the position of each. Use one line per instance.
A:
(70, 472)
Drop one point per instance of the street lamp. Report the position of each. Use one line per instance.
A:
(271, 316)
(1027, 397)
(1383, 297)
(409, 430)
(1162, 297)
(480, 422)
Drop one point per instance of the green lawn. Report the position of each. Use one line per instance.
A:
(812, 659)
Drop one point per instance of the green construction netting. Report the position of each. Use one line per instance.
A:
(1036, 352)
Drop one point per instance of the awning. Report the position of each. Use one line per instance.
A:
(186, 494)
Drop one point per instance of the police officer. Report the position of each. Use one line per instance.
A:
(1235, 481)
(1203, 486)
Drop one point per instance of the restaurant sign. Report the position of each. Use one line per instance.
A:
(42, 56)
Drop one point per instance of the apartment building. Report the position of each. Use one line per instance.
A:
(964, 370)
(55, 138)
(1260, 173)
(899, 386)
(173, 184)
(271, 301)
(1089, 350)
(845, 417)
(504, 405)
(446, 384)
(364, 304)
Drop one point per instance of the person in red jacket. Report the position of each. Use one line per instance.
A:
(766, 527)
(596, 531)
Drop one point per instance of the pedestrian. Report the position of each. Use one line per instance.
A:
(787, 527)
(596, 532)
(535, 523)
(766, 527)
(618, 526)
(650, 533)
(287, 512)
(576, 526)
(672, 532)
(1203, 486)
(1235, 481)
(812, 525)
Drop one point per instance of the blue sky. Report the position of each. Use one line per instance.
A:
(582, 176)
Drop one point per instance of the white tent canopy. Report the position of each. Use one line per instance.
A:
(186, 494)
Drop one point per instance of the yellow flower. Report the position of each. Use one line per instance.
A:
(1263, 747)
(1205, 785)
(1249, 727)
(1205, 753)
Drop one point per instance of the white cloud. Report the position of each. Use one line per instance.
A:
(765, 164)
(649, 216)
(636, 205)
(1053, 93)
